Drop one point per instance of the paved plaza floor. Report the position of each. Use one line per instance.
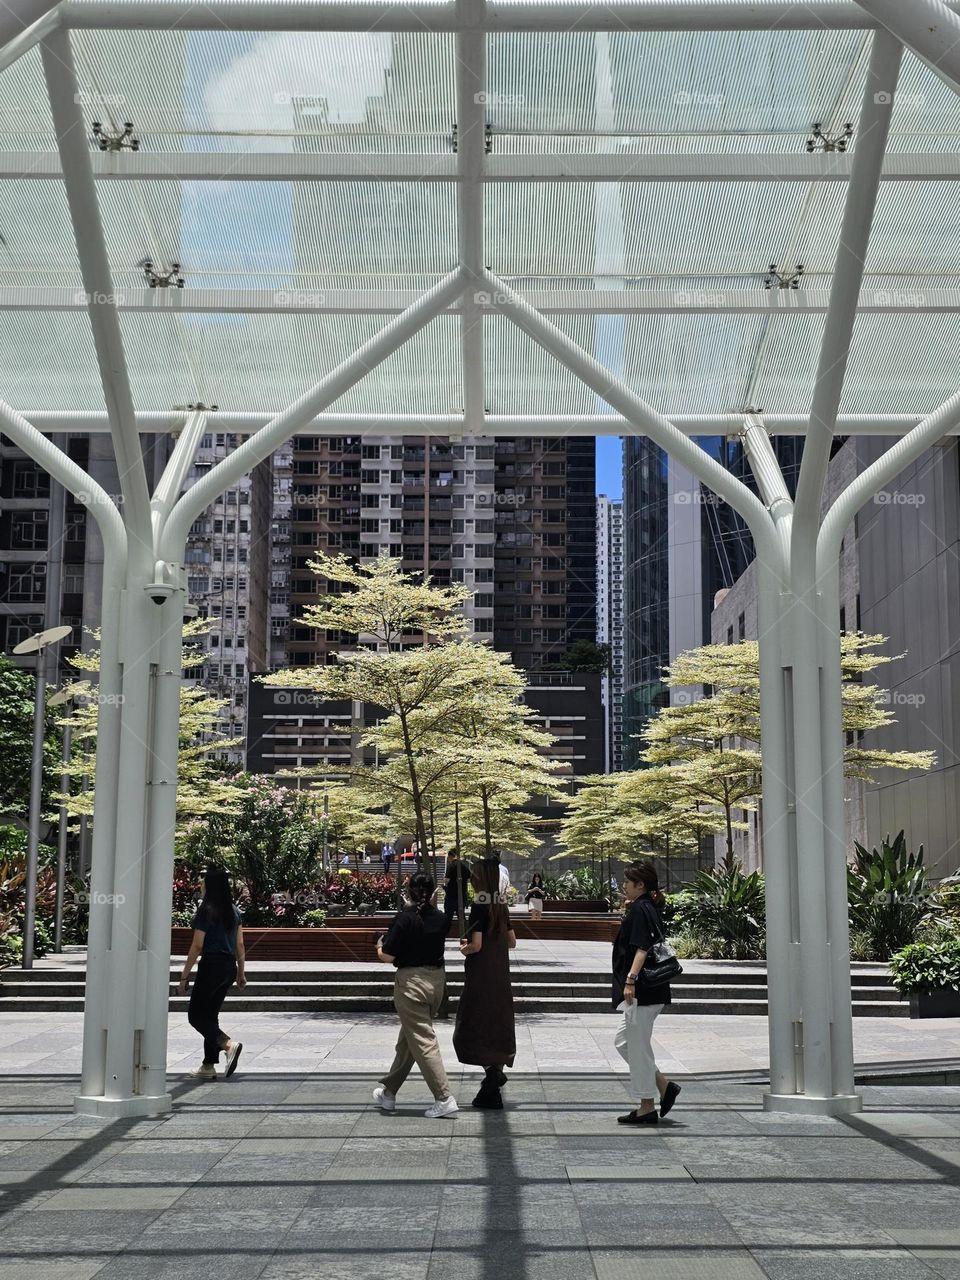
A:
(288, 1172)
(294, 1176)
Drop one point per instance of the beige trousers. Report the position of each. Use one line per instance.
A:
(417, 994)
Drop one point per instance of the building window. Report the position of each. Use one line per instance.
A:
(73, 582)
(29, 481)
(28, 530)
(742, 626)
(730, 634)
(25, 586)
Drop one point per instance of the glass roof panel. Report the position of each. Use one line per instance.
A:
(275, 90)
(606, 93)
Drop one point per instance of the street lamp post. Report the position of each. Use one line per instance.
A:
(60, 699)
(38, 644)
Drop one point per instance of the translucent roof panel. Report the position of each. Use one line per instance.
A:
(255, 363)
(240, 235)
(604, 94)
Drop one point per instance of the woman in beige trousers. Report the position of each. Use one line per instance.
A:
(414, 945)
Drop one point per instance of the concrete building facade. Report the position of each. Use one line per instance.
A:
(610, 623)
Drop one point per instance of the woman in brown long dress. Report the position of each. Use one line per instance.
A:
(484, 1035)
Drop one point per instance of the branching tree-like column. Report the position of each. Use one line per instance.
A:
(811, 1041)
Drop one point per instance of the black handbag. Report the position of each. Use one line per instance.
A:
(661, 963)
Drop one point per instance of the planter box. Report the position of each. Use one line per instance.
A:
(354, 939)
(941, 1003)
(579, 906)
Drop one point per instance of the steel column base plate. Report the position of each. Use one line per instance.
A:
(843, 1104)
(119, 1108)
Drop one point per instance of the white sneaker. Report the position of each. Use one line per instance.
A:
(204, 1072)
(385, 1101)
(448, 1107)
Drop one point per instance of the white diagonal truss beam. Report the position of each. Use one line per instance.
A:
(64, 96)
(929, 27)
(882, 76)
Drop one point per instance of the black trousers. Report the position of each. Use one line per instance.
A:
(450, 910)
(215, 976)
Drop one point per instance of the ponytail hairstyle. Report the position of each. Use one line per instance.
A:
(218, 896)
(645, 873)
(420, 890)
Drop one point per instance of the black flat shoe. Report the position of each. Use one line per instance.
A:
(488, 1100)
(497, 1078)
(633, 1117)
(670, 1095)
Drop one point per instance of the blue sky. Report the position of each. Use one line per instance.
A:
(609, 470)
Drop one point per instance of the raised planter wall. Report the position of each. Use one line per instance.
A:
(354, 938)
(578, 906)
(943, 1003)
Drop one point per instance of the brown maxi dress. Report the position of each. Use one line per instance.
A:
(484, 1035)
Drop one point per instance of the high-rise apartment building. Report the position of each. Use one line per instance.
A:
(227, 560)
(682, 545)
(513, 520)
(610, 623)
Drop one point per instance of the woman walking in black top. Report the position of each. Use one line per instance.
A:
(414, 944)
(218, 944)
(484, 1035)
(641, 927)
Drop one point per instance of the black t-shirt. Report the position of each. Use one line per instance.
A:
(416, 938)
(479, 919)
(217, 941)
(640, 928)
(454, 869)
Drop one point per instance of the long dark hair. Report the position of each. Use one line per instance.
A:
(645, 873)
(536, 877)
(218, 897)
(420, 890)
(485, 878)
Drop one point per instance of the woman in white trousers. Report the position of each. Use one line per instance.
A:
(640, 1005)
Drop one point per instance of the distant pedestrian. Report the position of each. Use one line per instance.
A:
(414, 945)
(387, 853)
(455, 881)
(642, 926)
(218, 944)
(485, 1035)
(535, 896)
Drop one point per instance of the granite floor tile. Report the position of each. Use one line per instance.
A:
(843, 1264)
(676, 1264)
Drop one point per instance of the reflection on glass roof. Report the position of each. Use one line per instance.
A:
(375, 93)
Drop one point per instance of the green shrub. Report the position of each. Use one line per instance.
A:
(724, 909)
(578, 883)
(861, 946)
(313, 919)
(889, 896)
(926, 966)
(183, 919)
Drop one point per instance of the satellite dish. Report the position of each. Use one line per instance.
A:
(66, 693)
(33, 644)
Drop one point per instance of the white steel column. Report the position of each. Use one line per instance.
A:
(812, 654)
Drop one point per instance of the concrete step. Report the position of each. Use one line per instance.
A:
(695, 1001)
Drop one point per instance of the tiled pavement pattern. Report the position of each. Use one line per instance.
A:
(292, 1176)
(686, 1044)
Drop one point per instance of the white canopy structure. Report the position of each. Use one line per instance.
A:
(459, 217)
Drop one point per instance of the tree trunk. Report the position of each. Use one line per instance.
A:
(488, 843)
